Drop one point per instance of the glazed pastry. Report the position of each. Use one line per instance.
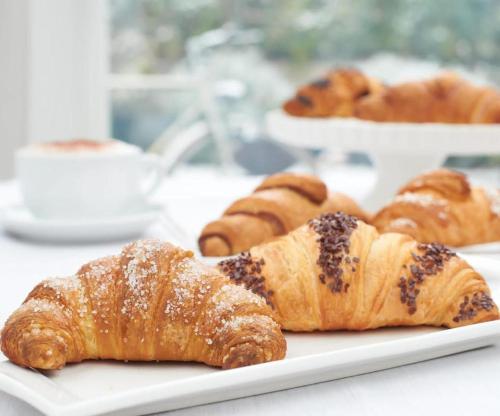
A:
(442, 206)
(334, 95)
(443, 99)
(152, 302)
(281, 203)
(336, 272)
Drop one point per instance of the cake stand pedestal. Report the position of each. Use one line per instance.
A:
(399, 151)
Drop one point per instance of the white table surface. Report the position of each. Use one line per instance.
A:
(461, 384)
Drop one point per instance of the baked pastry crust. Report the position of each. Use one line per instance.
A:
(336, 272)
(333, 95)
(442, 206)
(154, 301)
(446, 98)
(281, 203)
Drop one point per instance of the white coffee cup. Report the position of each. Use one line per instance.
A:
(85, 178)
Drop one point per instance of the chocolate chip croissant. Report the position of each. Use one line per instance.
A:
(334, 95)
(281, 203)
(154, 301)
(442, 206)
(337, 272)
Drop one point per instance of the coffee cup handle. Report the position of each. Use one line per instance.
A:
(153, 165)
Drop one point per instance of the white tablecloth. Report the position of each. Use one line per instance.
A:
(461, 384)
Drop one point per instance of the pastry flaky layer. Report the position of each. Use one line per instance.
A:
(154, 301)
(281, 203)
(336, 94)
(442, 206)
(336, 272)
(446, 98)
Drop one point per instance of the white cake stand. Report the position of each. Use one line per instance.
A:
(399, 151)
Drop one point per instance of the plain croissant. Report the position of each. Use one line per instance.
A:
(334, 95)
(152, 302)
(442, 206)
(446, 98)
(281, 203)
(337, 272)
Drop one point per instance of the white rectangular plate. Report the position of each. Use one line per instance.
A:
(113, 388)
(485, 248)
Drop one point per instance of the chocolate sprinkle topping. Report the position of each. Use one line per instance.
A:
(305, 101)
(429, 263)
(334, 232)
(321, 83)
(247, 271)
(469, 308)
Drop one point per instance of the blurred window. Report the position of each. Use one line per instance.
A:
(256, 51)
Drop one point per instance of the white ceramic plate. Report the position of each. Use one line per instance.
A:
(18, 221)
(486, 248)
(113, 388)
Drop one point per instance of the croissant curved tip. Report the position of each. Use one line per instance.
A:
(249, 353)
(214, 246)
(45, 357)
(44, 352)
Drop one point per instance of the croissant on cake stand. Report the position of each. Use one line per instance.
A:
(334, 95)
(446, 98)
(336, 272)
(405, 128)
(154, 301)
(281, 203)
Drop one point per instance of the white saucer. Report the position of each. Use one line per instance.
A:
(19, 221)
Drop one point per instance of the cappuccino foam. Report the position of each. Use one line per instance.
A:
(82, 147)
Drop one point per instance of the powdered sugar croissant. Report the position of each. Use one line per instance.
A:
(154, 301)
(442, 206)
(337, 272)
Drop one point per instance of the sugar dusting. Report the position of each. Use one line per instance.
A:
(231, 294)
(139, 271)
(36, 328)
(64, 287)
(403, 223)
(420, 199)
(41, 305)
(195, 284)
(442, 215)
(101, 276)
(198, 296)
(70, 294)
(220, 315)
(102, 271)
(190, 283)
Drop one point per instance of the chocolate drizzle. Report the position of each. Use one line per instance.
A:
(470, 307)
(305, 101)
(334, 232)
(321, 84)
(247, 271)
(430, 262)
